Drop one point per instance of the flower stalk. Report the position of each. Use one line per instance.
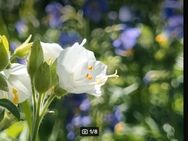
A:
(39, 113)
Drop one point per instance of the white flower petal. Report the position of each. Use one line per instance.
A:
(19, 83)
(51, 51)
(79, 72)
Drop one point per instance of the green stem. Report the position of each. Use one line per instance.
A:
(47, 104)
(37, 120)
(40, 115)
(12, 57)
(34, 98)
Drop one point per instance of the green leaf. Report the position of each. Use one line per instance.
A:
(35, 58)
(42, 79)
(11, 107)
(146, 38)
(2, 113)
(15, 129)
(3, 83)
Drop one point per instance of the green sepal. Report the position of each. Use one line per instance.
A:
(35, 58)
(42, 78)
(24, 49)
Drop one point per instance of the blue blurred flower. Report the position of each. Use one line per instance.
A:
(77, 106)
(171, 7)
(125, 14)
(112, 15)
(172, 10)
(71, 135)
(76, 121)
(113, 118)
(85, 105)
(13, 46)
(21, 27)
(94, 9)
(70, 126)
(69, 38)
(86, 120)
(54, 13)
(174, 26)
(126, 40)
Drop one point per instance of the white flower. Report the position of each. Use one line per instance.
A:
(19, 84)
(51, 51)
(79, 72)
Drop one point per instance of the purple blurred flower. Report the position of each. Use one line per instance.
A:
(172, 10)
(126, 40)
(77, 121)
(21, 27)
(118, 113)
(70, 126)
(174, 26)
(13, 46)
(113, 118)
(94, 9)
(125, 14)
(69, 38)
(77, 106)
(54, 12)
(86, 120)
(170, 7)
(112, 15)
(71, 135)
(85, 105)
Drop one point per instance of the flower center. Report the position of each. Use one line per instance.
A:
(90, 68)
(89, 76)
(15, 96)
(102, 79)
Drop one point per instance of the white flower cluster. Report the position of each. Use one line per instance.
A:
(77, 69)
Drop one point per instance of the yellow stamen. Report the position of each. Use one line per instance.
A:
(89, 76)
(15, 96)
(90, 68)
(102, 80)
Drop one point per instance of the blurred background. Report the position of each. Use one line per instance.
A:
(142, 39)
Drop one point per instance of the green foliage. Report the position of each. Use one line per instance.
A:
(4, 52)
(2, 113)
(3, 83)
(149, 91)
(11, 107)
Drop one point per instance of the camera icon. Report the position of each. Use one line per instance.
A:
(89, 131)
(84, 131)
